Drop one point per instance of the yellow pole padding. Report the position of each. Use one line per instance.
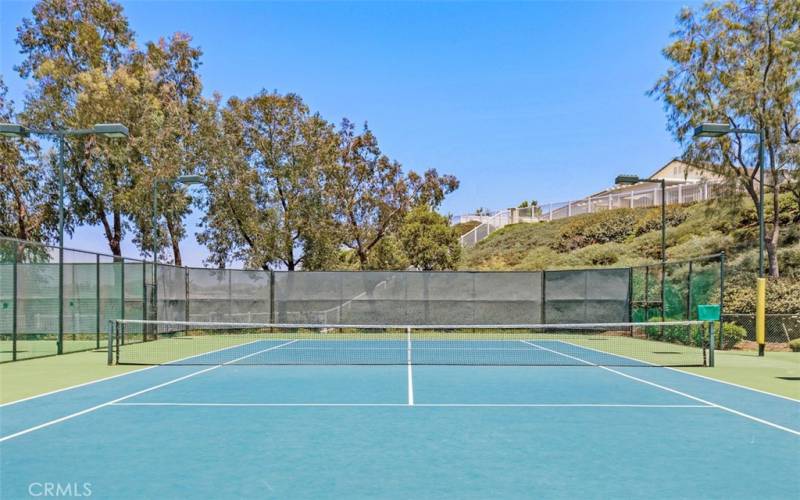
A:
(761, 310)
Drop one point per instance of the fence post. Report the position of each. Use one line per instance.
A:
(646, 293)
(689, 293)
(630, 294)
(145, 327)
(230, 294)
(544, 296)
(187, 296)
(122, 282)
(721, 298)
(97, 300)
(14, 303)
(271, 296)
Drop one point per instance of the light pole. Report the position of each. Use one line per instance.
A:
(186, 180)
(634, 179)
(718, 130)
(111, 130)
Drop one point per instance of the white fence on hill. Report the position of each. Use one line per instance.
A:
(640, 198)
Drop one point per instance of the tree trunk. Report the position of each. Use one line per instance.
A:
(362, 257)
(115, 242)
(176, 244)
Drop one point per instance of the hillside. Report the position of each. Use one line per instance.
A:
(627, 237)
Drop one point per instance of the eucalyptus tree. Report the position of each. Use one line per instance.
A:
(371, 194)
(266, 174)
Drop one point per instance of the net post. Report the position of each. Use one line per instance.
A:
(118, 332)
(110, 347)
(711, 344)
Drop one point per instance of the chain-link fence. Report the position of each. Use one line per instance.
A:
(779, 328)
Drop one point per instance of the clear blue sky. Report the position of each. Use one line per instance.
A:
(540, 101)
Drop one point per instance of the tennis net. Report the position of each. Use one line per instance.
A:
(672, 343)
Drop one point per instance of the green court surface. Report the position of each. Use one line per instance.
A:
(776, 372)
(38, 347)
(23, 379)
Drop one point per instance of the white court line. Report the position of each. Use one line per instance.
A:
(410, 373)
(678, 370)
(124, 374)
(669, 389)
(137, 393)
(429, 405)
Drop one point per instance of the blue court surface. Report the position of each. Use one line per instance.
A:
(403, 431)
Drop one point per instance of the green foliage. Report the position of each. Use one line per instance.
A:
(782, 295)
(370, 194)
(428, 240)
(286, 188)
(794, 345)
(600, 255)
(615, 226)
(28, 195)
(675, 334)
(732, 334)
(268, 205)
(84, 68)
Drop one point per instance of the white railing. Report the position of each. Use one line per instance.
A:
(640, 198)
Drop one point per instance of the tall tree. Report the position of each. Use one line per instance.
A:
(371, 194)
(169, 146)
(268, 204)
(75, 52)
(86, 69)
(26, 194)
(738, 62)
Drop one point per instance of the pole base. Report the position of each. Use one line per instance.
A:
(761, 350)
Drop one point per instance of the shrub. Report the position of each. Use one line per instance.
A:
(795, 345)
(732, 334)
(674, 334)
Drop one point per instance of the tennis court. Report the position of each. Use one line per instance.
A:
(539, 415)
